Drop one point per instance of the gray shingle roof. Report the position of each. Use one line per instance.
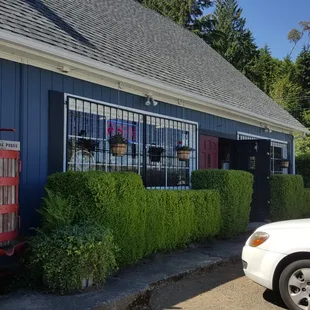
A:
(124, 34)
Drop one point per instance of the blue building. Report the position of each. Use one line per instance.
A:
(73, 74)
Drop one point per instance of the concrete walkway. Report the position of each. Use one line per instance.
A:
(131, 287)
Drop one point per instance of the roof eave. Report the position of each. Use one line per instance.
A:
(60, 57)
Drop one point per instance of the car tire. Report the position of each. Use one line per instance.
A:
(290, 273)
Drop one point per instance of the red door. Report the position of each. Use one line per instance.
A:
(208, 152)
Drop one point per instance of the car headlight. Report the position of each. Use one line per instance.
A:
(258, 238)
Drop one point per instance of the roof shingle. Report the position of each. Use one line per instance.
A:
(124, 34)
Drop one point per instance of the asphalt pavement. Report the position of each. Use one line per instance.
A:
(223, 288)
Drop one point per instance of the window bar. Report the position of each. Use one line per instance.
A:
(75, 134)
(98, 141)
(144, 148)
(138, 133)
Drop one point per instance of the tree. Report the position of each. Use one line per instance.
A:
(264, 66)
(184, 12)
(295, 35)
(236, 43)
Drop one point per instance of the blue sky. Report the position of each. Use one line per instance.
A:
(271, 20)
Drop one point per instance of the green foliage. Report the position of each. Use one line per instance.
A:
(174, 218)
(185, 13)
(236, 44)
(287, 193)
(117, 139)
(306, 212)
(56, 211)
(141, 221)
(303, 146)
(303, 167)
(235, 188)
(68, 255)
(112, 200)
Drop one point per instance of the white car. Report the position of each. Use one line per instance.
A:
(277, 256)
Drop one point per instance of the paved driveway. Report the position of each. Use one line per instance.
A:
(224, 288)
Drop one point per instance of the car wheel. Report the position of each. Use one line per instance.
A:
(294, 285)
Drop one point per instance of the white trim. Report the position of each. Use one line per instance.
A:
(44, 55)
(65, 138)
(259, 137)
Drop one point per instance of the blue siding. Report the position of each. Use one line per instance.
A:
(24, 106)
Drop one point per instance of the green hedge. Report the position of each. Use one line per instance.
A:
(141, 221)
(303, 168)
(236, 189)
(287, 197)
(174, 218)
(306, 213)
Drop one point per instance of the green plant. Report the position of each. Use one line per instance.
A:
(56, 211)
(303, 167)
(175, 218)
(117, 139)
(142, 221)
(70, 254)
(235, 188)
(113, 200)
(306, 210)
(287, 197)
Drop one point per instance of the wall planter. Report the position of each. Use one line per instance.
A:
(155, 153)
(118, 145)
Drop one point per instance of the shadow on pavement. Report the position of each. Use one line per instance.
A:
(171, 294)
(274, 298)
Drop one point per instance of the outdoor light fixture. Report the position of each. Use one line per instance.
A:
(151, 101)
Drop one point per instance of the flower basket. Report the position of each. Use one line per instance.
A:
(118, 149)
(183, 155)
(155, 153)
(118, 145)
(183, 151)
(284, 163)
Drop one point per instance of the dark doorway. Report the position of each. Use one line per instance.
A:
(208, 152)
(254, 156)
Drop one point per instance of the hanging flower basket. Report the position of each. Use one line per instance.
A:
(183, 152)
(183, 155)
(118, 145)
(285, 163)
(155, 153)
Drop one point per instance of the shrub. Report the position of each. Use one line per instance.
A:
(70, 254)
(287, 197)
(235, 188)
(142, 221)
(174, 218)
(306, 212)
(113, 200)
(303, 168)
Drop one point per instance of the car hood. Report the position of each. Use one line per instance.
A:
(292, 224)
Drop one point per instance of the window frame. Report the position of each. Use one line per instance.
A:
(192, 165)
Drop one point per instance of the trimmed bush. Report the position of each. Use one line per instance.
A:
(306, 213)
(175, 218)
(236, 189)
(287, 197)
(142, 221)
(303, 168)
(113, 200)
(68, 255)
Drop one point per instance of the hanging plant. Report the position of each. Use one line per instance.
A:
(183, 151)
(87, 144)
(118, 145)
(155, 153)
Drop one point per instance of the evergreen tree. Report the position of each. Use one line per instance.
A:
(236, 42)
(184, 12)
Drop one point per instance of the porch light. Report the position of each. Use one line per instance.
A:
(150, 101)
(285, 163)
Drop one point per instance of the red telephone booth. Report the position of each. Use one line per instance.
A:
(9, 183)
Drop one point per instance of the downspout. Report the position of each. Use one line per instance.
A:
(293, 158)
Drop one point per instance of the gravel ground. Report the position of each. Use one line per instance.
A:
(224, 288)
